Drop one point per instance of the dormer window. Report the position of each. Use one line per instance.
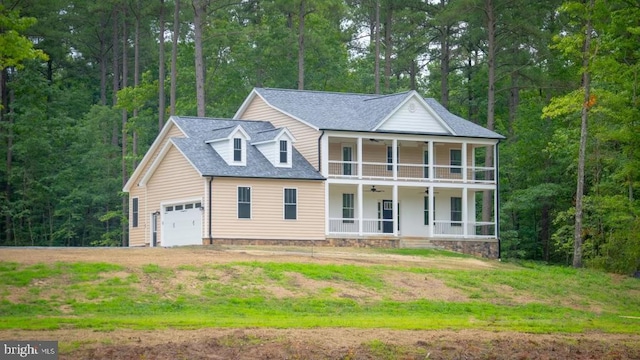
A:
(284, 151)
(237, 149)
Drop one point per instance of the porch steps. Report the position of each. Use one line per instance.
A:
(417, 243)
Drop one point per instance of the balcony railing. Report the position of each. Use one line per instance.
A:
(414, 172)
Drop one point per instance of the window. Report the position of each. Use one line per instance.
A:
(347, 158)
(426, 210)
(456, 211)
(134, 212)
(389, 158)
(425, 162)
(290, 204)
(284, 152)
(179, 207)
(188, 206)
(456, 161)
(244, 202)
(169, 208)
(237, 149)
(347, 208)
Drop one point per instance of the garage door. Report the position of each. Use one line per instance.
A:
(182, 224)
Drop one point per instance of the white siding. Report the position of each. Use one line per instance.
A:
(418, 120)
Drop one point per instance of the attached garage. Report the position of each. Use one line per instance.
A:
(182, 224)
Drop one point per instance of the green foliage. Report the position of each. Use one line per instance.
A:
(14, 46)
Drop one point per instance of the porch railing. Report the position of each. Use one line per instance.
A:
(441, 228)
(415, 172)
(351, 226)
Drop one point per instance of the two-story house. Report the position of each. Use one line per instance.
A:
(309, 167)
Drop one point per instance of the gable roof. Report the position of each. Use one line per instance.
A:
(209, 163)
(357, 112)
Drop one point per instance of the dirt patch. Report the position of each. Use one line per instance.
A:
(408, 286)
(332, 344)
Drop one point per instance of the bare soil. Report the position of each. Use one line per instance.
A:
(331, 343)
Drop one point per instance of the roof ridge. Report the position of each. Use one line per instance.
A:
(317, 91)
(388, 95)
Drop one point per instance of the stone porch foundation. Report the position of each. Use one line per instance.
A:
(486, 248)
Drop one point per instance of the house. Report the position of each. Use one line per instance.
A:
(322, 168)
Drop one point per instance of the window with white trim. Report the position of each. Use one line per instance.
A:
(290, 204)
(244, 202)
(456, 211)
(348, 210)
(237, 149)
(134, 212)
(284, 151)
(455, 161)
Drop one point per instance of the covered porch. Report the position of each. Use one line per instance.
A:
(411, 210)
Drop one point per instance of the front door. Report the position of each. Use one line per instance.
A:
(387, 216)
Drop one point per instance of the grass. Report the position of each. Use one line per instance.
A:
(526, 297)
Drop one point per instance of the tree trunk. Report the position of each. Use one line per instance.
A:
(125, 70)
(377, 51)
(586, 105)
(161, 69)
(199, 12)
(445, 56)
(388, 43)
(174, 57)
(301, 16)
(116, 72)
(487, 199)
(136, 83)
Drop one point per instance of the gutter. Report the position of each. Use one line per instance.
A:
(210, 212)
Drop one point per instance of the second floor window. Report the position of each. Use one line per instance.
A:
(237, 149)
(456, 161)
(284, 152)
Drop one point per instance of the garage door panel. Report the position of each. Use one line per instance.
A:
(182, 227)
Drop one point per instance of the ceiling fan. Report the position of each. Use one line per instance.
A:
(426, 191)
(373, 189)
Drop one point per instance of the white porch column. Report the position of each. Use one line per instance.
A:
(359, 155)
(360, 210)
(465, 213)
(431, 210)
(431, 157)
(394, 151)
(464, 162)
(395, 207)
(324, 157)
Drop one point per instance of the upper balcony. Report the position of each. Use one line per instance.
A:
(424, 161)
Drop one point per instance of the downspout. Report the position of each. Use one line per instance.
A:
(320, 152)
(498, 199)
(210, 212)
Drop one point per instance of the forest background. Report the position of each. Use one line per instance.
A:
(85, 87)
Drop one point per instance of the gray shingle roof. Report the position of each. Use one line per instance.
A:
(210, 163)
(265, 135)
(358, 112)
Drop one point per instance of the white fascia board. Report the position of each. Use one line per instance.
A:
(245, 104)
(241, 130)
(147, 157)
(158, 160)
